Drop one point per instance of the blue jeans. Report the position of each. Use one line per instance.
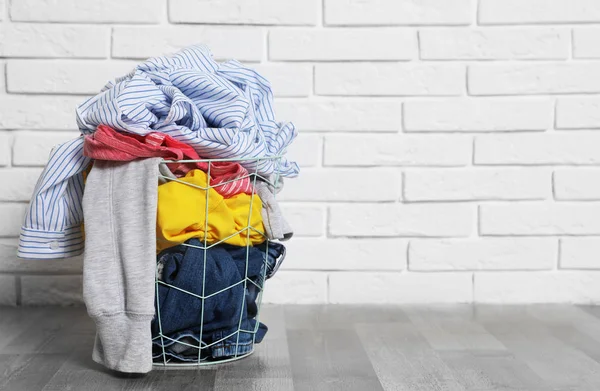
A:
(228, 346)
(229, 307)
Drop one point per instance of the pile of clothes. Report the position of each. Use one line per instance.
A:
(176, 250)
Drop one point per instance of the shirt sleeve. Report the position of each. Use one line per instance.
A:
(52, 226)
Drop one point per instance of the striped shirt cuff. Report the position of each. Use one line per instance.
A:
(40, 244)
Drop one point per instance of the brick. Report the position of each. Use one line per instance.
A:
(341, 44)
(305, 220)
(540, 219)
(465, 184)
(483, 254)
(345, 254)
(386, 79)
(267, 12)
(18, 183)
(534, 79)
(399, 288)
(398, 12)
(296, 288)
(38, 112)
(241, 43)
(53, 40)
(494, 44)
(2, 77)
(10, 263)
(404, 220)
(580, 148)
(473, 115)
(306, 150)
(578, 287)
(288, 79)
(341, 184)
(5, 148)
(73, 11)
(13, 215)
(342, 115)
(393, 150)
(538, 11)
(32, 148)
(63, 77)
(579, 253)
(8, 290)
(578, 113)
(577, 184)
(585, 42)
(52, 290)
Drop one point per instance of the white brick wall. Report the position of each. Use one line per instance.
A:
(538, 11)
(534, 79)
(398, 12)
(74, 11)
(494, 44)
(337, 115)
(580, 253)
(340, 44)
(483, 254)
(586, 43)
(472, 115)
(540, 218)
(450, 148)
(270, 12)
(577, 184)
(477, 184)
(536, 149)
(243, 43)
(578, 113)
(53, 40)
(62, 76)
(389, 79)
(408, 220)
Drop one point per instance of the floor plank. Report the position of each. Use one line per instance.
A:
(492, 371)
(452, 328)
(559, 364)
(30, 372)
(268, 368)
(403, 360)
(340, 317)
(330, 360)
(13, 321)
(50, 332)
(79, 372)
(416, 348)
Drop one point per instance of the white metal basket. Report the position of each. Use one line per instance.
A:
(239, 341)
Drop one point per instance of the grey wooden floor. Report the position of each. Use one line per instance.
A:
(335, 348)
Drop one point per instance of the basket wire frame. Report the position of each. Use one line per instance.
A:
(166, 361)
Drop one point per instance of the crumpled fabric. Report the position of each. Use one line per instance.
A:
(230, 277)
(187, 210)
(223, 110)
(276, 226)
(227, 178)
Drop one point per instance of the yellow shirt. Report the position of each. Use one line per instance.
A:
(181, 214)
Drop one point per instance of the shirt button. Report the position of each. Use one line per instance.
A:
(54, 245)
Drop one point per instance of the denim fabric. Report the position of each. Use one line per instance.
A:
(181, 313)
(226, 348)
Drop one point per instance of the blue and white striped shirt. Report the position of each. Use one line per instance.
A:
(223, 110)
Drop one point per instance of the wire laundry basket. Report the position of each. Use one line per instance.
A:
(235, 342)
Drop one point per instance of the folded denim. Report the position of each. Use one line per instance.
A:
(225, 313)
